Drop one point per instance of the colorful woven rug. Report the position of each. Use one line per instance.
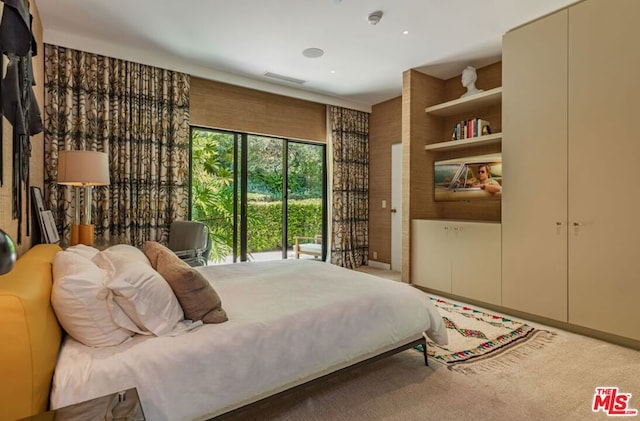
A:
(480, 341)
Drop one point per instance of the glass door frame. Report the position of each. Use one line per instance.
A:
(240, 161)
(285, 198)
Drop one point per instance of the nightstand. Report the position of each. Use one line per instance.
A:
(120, 406)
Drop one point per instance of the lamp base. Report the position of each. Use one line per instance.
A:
(85, 234)
(75, 235)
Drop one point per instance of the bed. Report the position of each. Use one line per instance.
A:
(289, 322)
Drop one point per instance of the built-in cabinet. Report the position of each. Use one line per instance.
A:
(458, 257)
(570, 205)
(455, 245)
(563, 245)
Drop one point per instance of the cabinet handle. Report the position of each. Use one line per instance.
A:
(576, 227)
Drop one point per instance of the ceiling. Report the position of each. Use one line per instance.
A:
(239, 41)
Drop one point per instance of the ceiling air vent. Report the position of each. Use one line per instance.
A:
(285, 78)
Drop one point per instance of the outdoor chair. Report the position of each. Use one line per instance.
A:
(190, 241)
(313, 248)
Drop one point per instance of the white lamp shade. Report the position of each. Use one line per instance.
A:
(83, 168)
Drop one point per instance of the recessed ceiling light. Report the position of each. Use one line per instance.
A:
(313, 52)
(405, 32)
(333, 72)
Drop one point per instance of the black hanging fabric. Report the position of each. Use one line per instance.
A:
(1, 136)
(18, 100)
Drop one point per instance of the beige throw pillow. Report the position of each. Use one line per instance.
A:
(152, 249)
(195, 294)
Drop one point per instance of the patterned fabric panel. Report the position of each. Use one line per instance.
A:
(350, 236)
(139, 115)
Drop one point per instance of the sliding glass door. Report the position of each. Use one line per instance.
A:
(264, 197)
(306, 188)
(214, 189)
(257, 194)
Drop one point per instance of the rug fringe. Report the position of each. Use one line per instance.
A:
(506, 357)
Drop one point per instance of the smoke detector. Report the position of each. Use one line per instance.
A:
(374, 17)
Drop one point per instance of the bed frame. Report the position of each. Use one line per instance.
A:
(30, 328)
(235, 412)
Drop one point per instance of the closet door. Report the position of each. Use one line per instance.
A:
(534, 148)
(475, 261)
(604, 157)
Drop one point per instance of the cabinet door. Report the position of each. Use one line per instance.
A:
(431, 255)
(534, 155)
(475, 261)
(604, 151)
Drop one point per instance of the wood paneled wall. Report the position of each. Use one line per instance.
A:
(418, 92)
(228, 107)
(385, 129)
(36, 165)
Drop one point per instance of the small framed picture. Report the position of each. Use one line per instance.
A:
(50, 227)
(38, 200)
(46, 222)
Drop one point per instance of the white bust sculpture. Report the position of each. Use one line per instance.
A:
(469, 81)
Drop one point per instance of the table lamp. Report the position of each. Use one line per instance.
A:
(83, 169)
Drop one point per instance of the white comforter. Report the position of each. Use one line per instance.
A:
(289, 321)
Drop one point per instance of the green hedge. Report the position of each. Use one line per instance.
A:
(265, 223)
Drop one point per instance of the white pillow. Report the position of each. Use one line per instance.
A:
(83, 250)
(126, 252)
(83, 304)
(141, 292)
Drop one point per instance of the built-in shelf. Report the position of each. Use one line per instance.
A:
(490, 139)
(466, 104)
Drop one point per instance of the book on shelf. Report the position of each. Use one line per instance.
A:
(474, 127)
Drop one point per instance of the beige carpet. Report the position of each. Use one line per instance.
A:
(556, 383)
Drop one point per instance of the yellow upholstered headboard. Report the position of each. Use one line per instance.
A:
(30, 334)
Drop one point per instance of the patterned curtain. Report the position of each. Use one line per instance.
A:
(350, 213)
(139, 116)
